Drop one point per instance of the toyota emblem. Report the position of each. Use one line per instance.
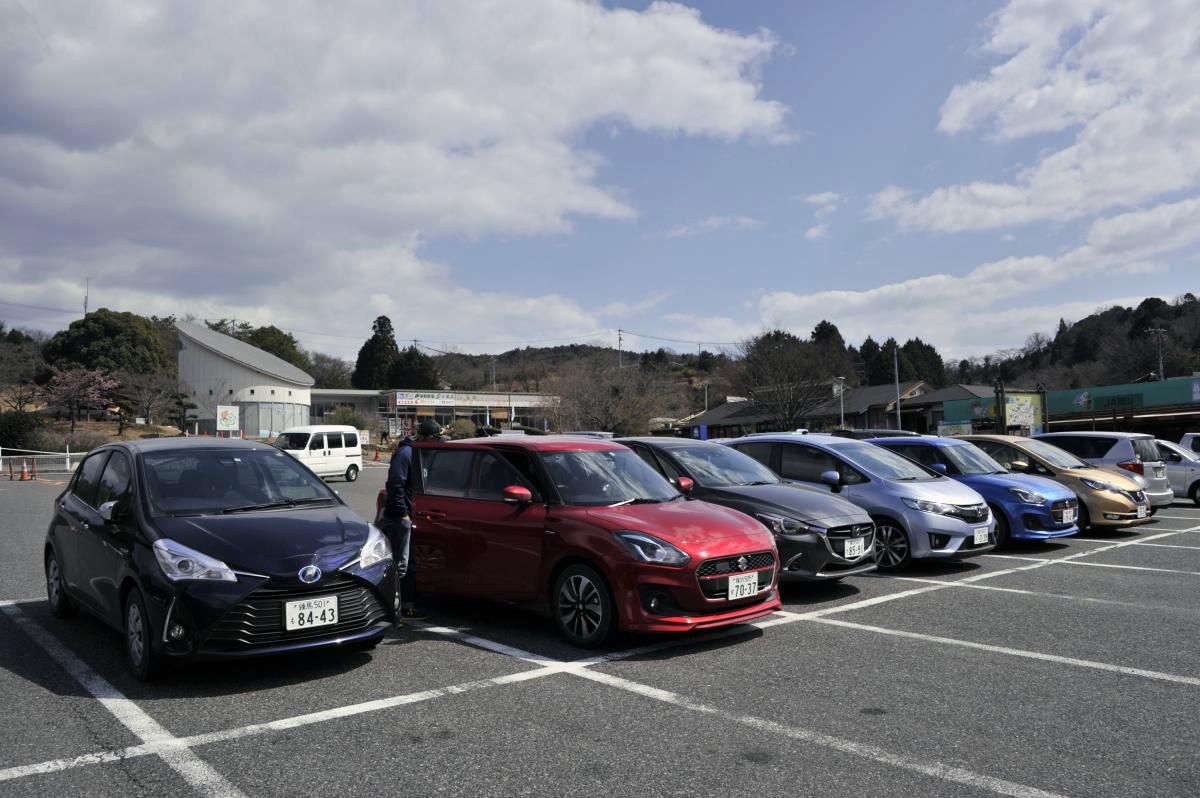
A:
(742, 563)
(309, 574)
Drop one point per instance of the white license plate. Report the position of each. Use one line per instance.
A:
(981, 535)
(855, 548)
(1068, 516)
(743, 586)
(1143, 511)
(318, 611)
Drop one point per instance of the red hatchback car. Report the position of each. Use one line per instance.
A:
(585, 528)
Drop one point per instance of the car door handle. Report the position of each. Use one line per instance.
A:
(432, 515)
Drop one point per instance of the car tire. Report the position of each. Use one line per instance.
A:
(1153, 510)
(1195, 494)
(140, 657)
(893, 551)
(1002, 535)
(352, 473)
(1085, 519)
(583, 607)
(61, 605)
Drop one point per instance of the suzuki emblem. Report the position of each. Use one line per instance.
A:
(309, 574)
(742, 563)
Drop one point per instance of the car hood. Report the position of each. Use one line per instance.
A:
(1101, 475)
(939, 490)
(699, 528)
(273, 543)
(1046, 487)
(811, 505)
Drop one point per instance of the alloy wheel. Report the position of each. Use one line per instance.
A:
(135, 633)
(53, 582)
(579, 606)
(892, 546)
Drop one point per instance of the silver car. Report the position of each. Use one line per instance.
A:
(1123, 453)
(919, 513)
(1183, 470)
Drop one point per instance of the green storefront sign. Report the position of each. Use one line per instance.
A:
(1109, 399)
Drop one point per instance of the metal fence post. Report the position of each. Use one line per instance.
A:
(68, 457)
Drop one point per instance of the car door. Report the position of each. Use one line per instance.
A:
(335, 454)
(106, 545)
(442, 548)
(508, 537)
(315, 457)
(78, 507)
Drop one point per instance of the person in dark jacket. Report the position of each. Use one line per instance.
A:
(397, 514)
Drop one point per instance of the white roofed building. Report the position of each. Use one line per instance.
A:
(217, 371)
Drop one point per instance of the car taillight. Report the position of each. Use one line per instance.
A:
(1133, 466)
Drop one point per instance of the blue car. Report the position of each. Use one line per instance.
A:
(1025, 507)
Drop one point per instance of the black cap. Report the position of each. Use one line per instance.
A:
(429, 428)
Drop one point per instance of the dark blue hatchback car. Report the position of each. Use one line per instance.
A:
(1025, 507)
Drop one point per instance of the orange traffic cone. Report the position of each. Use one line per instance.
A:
(376, 455)
(24, 471)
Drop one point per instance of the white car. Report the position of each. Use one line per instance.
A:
(1183, 470)
(329, 450)
(1191, 442)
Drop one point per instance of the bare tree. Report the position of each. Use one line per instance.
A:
(787, 377)
(597, 396)
(148, 395)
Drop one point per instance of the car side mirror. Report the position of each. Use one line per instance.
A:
(683, 484)
(833, 479)
(110, 511)
(940, 468)
(517, 494)
(1018, 466)
(1174, 457)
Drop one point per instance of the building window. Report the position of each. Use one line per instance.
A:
(252, 392)
(289, 393)
(272, 392)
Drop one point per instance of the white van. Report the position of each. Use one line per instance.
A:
(330, 450)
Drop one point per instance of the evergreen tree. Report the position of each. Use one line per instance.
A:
(412, 368)
(109, 341)
(376, 356)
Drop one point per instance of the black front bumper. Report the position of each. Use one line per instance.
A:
(812, 557)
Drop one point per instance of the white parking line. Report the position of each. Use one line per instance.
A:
(1176, 517)
(1132, 567)
(196, 772)
(1016, 652)
(1168, 546)
(14, 602)
(1036, 593)
(936, 770)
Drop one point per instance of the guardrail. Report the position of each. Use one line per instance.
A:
(16, 464)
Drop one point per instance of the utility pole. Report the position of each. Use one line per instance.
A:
(619, 331)
(842, 400)
(493, 373)
(896, 375)
(87, 289)
(1158, 333)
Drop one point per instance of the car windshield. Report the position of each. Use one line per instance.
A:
(292, 441)
(970, 460)
(1146, 450)
(1059, 458)
(881, 462)
(606, 477)
(719, 466)
(216, 481)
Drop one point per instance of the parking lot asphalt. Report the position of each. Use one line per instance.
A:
(1066, 668)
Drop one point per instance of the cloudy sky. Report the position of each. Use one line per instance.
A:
(490, 173)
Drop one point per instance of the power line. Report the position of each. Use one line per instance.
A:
(72, 312)
(679, 340)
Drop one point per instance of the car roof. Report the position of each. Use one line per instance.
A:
(537, 443)
(994, 437)
(664, 442)
(181, 443)
(931, 440)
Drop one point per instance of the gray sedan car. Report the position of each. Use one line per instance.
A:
(1183, 470)
(918, 512)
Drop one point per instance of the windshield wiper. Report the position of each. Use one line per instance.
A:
(752, 484)
(250, 508)
(907, 479)
(638, 500)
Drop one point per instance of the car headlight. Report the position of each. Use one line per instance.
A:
(376, 549)
(178, 563)
(1028, 496)
(1096, 484)
(925, 506)
(782, 525)
(648, 548)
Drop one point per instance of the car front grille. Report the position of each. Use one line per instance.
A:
(713, 575)
(257, 620)
(838, 536)
(971, 513)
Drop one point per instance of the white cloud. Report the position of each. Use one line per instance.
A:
(824, 198)
(619, 309)
(205, 156)
(1124, 74)
(817, 231)
(712, 223)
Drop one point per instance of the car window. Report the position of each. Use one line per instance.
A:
(760, 451)
(491, 476)
(1146, 450)
(292, 440)
(89, 478)
(1053, 455)
(351, 439)
(719, 466)
(606, 477)
(317, 442)
(116, 481)
(1086, 447)
(213, 481)
(804, 462)
(523, 464)
(669, 468)
(333, 440)
(925, 455)
(446, 471)
(648, 458)
(1000, 452)
(886, 464)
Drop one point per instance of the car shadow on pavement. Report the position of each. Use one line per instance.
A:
(795, 594)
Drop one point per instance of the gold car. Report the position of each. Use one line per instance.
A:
(1105, 499)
